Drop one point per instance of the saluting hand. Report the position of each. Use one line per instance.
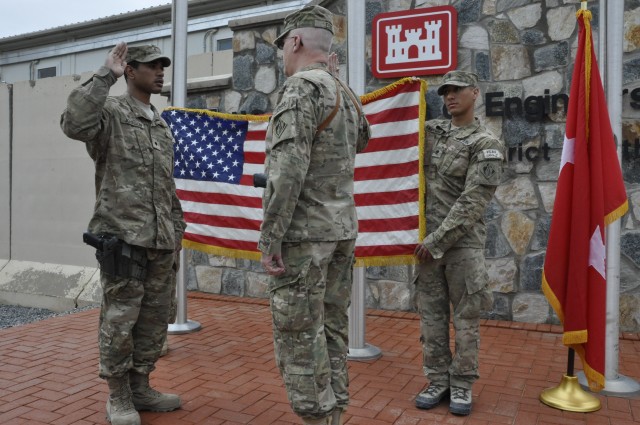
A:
(116, 59)
(333, 65)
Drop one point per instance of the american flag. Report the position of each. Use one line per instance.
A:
(208, 148)
(216, 155)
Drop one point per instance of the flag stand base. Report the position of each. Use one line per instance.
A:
(570, 396)
(368, 352)
(183, 328)
(622, 386)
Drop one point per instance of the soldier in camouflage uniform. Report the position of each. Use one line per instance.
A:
(136, 201)
(309, 228)
(463, 166)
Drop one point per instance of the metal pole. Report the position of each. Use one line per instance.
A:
(358, 348)
(180, 19)
(610, 50)
(614, 382)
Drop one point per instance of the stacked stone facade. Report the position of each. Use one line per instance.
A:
(523, 52)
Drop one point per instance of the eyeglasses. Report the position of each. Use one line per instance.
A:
(280, 43)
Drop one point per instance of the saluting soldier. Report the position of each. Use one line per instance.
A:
(137, 207)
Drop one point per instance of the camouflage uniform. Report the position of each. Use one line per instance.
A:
(135, 201)
(463, 167)
(310, 218)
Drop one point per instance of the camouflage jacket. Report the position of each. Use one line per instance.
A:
(463, 167)
(309, 193)
(133, 156)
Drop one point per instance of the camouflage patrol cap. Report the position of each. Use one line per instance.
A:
(145, 54)
(458, 78)
(307, 17)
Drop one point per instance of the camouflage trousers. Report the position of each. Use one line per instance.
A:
(134, 317)
(456, 282)
(309, 306)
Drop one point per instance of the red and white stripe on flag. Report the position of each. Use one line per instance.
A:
(389, 185)
(224, 219)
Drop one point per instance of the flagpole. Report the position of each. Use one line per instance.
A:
(180, 19)
(614, 382)
(358, 348)
(569, 395)
(610, 48)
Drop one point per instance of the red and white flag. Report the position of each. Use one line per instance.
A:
(217, 154)
(590, 194)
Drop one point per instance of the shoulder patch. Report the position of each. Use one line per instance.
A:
(283, 122)
(280, 127)
(490, 173)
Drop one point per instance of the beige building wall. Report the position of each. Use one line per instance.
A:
(53, 178)
(210, 64)
(47, 194)
(47, 179)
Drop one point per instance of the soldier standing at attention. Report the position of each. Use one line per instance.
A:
(138, 213)
(463, 164)
(310, 226)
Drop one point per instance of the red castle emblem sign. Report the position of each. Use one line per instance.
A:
(415, 42)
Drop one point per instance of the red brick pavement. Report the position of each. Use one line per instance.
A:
(226, 374)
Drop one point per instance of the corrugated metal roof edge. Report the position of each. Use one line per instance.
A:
(119, 22)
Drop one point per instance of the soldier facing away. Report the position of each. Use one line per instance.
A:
(137, 222)
(309, 228)
(463, 166)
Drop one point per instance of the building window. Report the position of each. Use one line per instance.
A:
(47, 72)
(224, 44)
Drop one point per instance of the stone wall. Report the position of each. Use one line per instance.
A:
(520, 49)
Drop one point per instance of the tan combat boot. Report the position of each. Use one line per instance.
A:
(120, 409)
(146, 398)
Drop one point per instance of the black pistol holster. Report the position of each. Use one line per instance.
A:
(118, 258)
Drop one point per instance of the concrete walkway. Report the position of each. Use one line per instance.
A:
(226, 374)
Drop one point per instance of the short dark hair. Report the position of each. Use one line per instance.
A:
(132, 64)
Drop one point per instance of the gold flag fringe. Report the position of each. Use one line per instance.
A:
(224, 252)
(398, 260)
(223, 115)
(551, 297)
(617, 213)
(595, 379)
(369, 97)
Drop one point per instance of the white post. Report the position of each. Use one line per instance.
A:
(614, 382)
(358, 348)
(610, 34)
(180, 19)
